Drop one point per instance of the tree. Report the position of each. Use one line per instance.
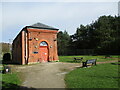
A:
(101, 35)
(105, 29)
(5, 47)
(63, 42)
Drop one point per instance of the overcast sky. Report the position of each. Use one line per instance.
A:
(63, 15)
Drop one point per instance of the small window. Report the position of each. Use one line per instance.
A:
(43, 43)
(35, 52)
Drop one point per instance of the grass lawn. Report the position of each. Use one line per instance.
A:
(99, 58)
(100, 76)
(10, 80)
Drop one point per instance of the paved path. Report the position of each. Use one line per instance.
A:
(47, 75)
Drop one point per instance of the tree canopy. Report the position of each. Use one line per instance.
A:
(101, 37)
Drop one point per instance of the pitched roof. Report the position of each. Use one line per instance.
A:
(42, 26)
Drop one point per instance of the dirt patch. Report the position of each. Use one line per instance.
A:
(107, 62)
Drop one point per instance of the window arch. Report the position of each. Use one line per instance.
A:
(43, 43)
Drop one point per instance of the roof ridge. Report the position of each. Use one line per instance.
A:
(43, 26)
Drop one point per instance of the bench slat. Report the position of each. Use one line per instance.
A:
(92, 61)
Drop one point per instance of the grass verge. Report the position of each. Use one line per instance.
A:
(100, 76)
(70, 59)
(11, 81)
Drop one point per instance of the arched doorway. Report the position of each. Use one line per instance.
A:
(44, 51)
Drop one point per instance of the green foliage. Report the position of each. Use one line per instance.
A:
(106, 32)
(100, 76)
(5, 47)
(10, 81)
(101, 36)
(63, 42)
(6, 57)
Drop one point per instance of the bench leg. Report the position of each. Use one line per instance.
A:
(95, 63)
(84, 64)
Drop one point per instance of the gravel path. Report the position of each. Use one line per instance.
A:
(47, 75)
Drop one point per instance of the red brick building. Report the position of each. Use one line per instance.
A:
(35, 43)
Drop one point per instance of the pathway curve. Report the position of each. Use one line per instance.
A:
(47, 75)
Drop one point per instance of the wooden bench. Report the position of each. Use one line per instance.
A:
(92, 61)
(78, 59)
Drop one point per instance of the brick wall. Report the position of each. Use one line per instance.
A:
(34, 44)
(17, 49)
(28, 41)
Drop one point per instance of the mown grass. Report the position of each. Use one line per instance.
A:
(10, 80)
(100, 76)
(99, 58)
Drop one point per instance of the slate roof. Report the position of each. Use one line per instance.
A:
(42, 26)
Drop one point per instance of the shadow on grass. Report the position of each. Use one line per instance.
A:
(14, 87)
(11, 86)
(115, 63)
(73, 61)
(102, 77)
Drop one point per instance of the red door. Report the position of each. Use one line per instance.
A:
(43, 51)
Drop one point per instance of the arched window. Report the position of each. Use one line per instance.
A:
(43, 43)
